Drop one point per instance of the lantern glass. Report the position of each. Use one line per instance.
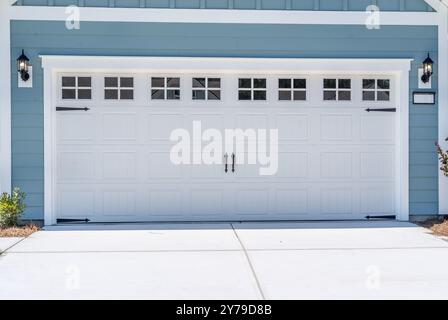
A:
(23, 63)
(428, 66)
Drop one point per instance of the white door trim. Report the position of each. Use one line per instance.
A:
(443, 102)
(397, 67)
(5, 99)
(33, 13)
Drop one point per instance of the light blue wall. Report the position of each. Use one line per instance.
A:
(232, 40)
(354, 5)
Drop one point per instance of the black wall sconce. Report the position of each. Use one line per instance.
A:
(427, 69)
(23, 64)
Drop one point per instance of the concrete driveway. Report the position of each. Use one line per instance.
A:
(339, 260)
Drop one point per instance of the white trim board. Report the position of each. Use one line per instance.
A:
(435, 4)
(443, 103)
(5, 99)
(226, 65)
(398, 67)
(223, 16)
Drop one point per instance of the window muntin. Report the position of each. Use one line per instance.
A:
(252, 89)
(206, 88)
(165, 88)
(118, 88)
(376, 89)
(76, 88)
(337, 89)
(291, 89)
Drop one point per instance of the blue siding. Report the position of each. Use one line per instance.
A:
(231, 40)
(332, 5)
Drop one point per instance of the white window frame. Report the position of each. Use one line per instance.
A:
(166, 88)
(376, 90)
(119, 88)
(206, 89)
(292, 89)
(76, 88)
(398, 68)
(252, 88)
(337, 89)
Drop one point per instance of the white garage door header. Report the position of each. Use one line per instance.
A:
(224, 65)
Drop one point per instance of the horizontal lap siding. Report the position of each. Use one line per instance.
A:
(230, 40)
(331, 5)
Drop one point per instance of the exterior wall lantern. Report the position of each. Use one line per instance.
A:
(428, 70)
(23, 64)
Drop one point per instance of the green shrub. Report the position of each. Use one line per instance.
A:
(11, 208)
(443, 157)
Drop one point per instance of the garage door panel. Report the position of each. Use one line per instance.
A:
(377, 200)
(119, 203)
(119, 126)
(336, 201)
(76, 204)
(161, 125)
(207, 202)
(160, 167)
(119, 165)
(292, 201)
(336, 165)
(292, 127)
(377, 165)
(293, 165)
(251, 121)
(252, 201)
(207, 120)
(76, 166)
(336, 127)
(76, 128)
(378, 128)
(163, 202)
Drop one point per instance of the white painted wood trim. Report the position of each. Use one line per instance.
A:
(435, 4)
(221, 65)
(5, 99)
(49, 155)
(398, 67)
(443, 102)
(223, 16)
(402, 149)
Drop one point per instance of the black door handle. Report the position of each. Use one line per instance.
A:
(226, 158)
(233, 162)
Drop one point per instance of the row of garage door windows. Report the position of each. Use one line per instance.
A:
(209, 88)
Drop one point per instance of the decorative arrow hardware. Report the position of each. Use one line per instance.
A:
(71, 109)
(391, 217)
(72, 220)
(382, 110)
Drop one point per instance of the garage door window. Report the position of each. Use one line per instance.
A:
(163, 88)
(206, 89)
(337, 89)
(76, 88)
(375, 89)
(118, 88)
(292, 89)
(251, 89)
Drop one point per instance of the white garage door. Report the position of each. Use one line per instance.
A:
(335, 159)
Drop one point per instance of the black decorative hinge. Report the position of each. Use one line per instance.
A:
(391, 217)
(71, 109)
(382, 110)
(72, 220)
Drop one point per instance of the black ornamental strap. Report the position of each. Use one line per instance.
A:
(71, 109)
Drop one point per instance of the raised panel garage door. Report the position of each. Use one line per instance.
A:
(335, 160)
